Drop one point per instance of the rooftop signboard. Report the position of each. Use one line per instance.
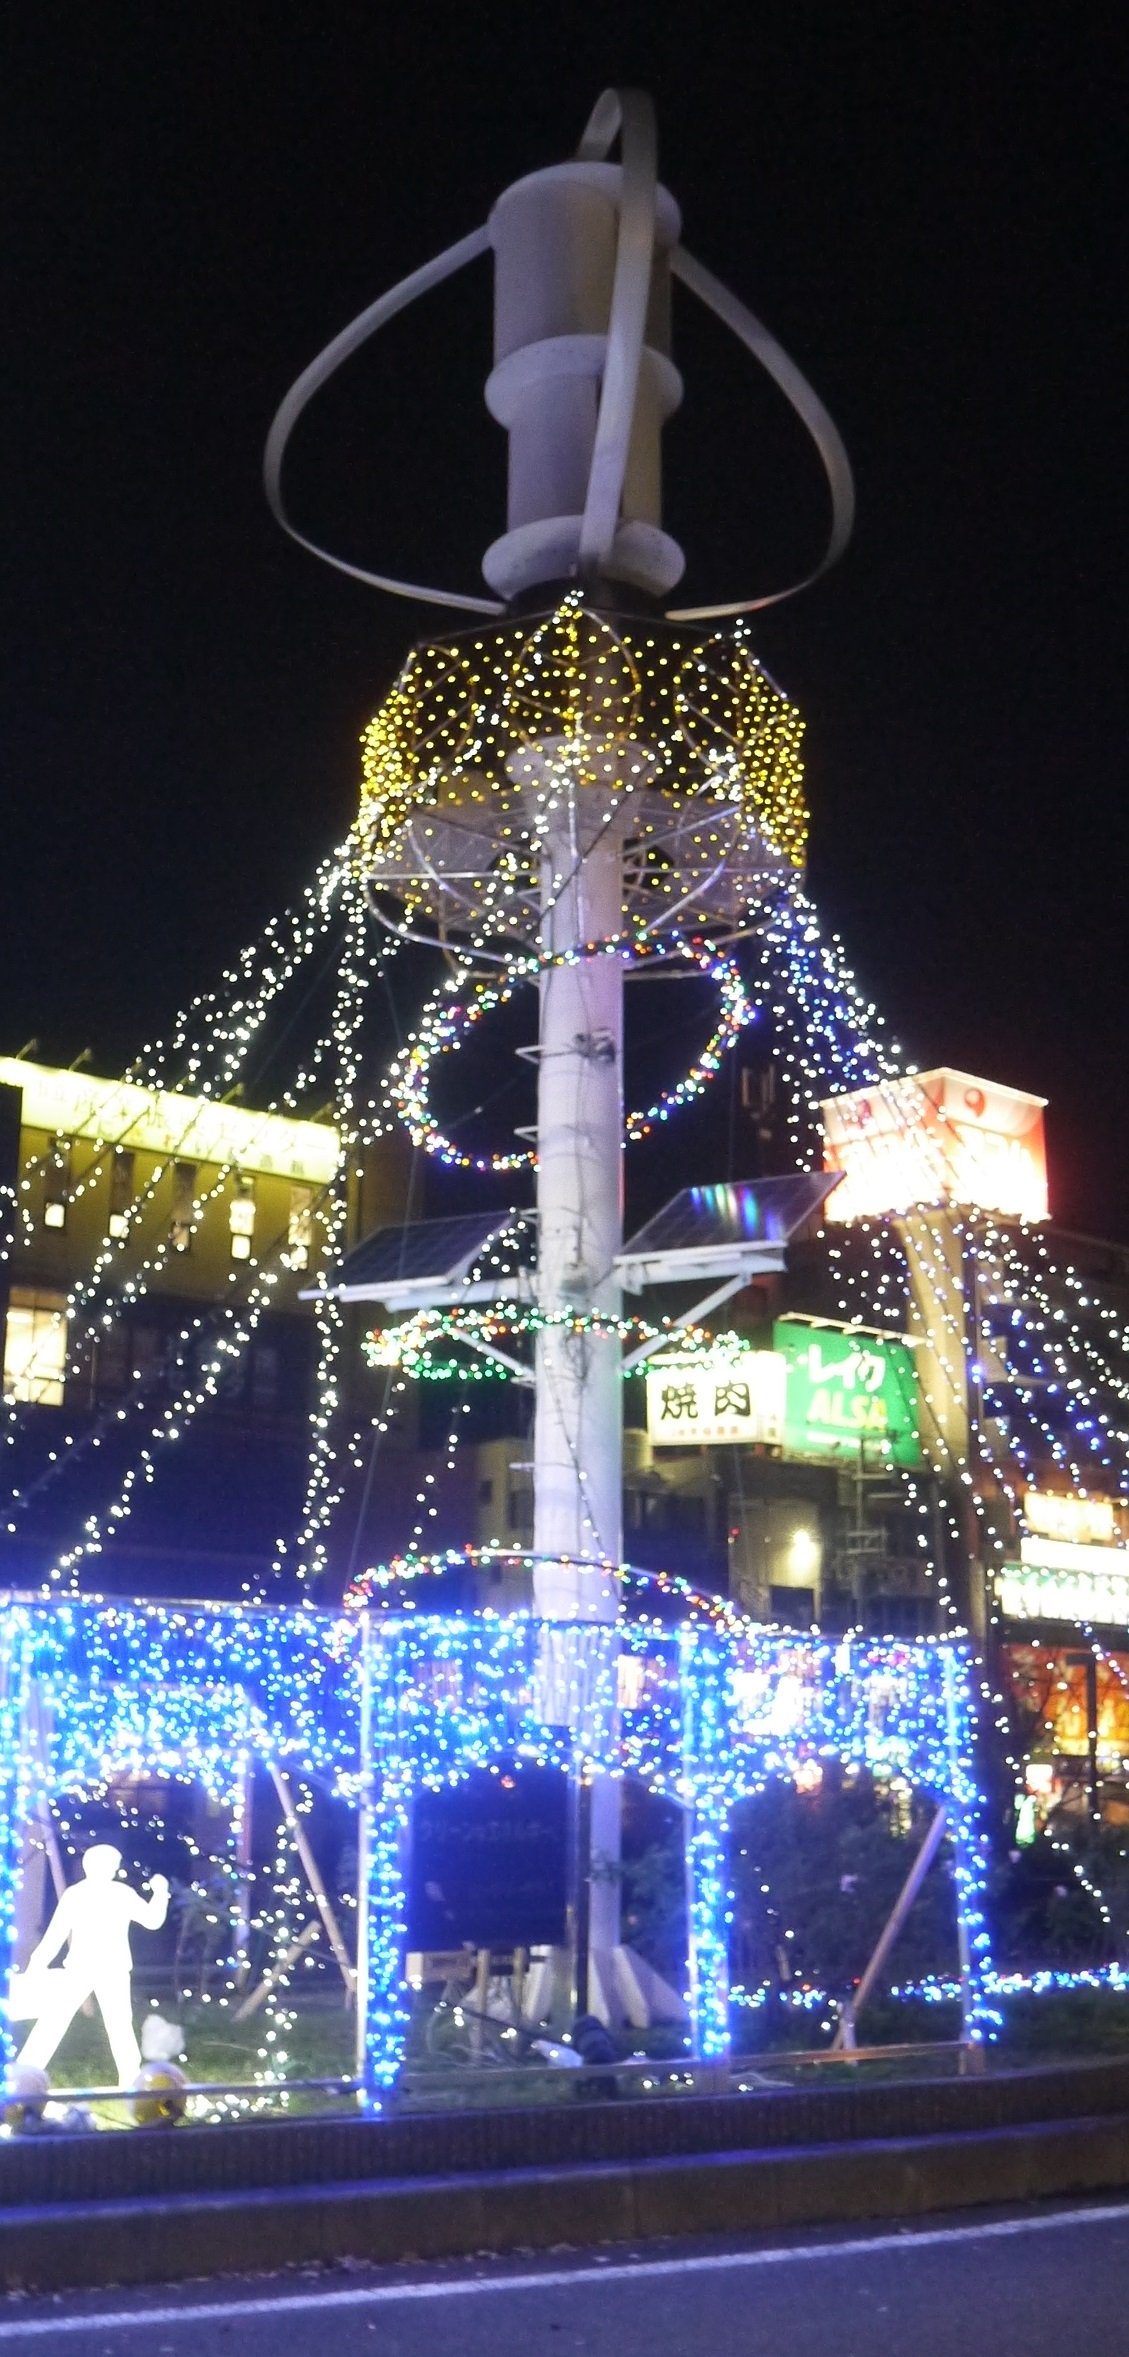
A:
(1058, 1514)
(162, 1121)
(936, 1137)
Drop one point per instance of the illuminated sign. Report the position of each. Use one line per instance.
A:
(1057, 1581)
(821, 1391)
(848, 1393)
(722, 1394)
(1050, 1515)
(1066, 1555)
(936, 1137)
(160, 1121)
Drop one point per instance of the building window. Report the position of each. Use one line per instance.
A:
(264, 1376)
(519, 1513)
(241, 1220)
(121, 1193)
(56, 1185)
(183, 1206)
(685, 1513)
(112, 1361)
(300, 1231)
(35, 1348)
(791, 1608)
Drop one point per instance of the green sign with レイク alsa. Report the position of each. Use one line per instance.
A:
(848, 1393)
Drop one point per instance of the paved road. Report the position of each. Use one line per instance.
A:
(1020, 2284)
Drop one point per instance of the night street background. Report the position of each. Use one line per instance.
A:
(925, 204)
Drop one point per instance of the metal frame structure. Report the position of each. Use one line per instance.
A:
(386, 1706)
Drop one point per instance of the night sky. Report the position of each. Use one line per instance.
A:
(923, 202)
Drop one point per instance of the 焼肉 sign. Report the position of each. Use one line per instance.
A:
(721, 1394)
(821, 1391)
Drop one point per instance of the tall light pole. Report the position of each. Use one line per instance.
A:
(558, 786)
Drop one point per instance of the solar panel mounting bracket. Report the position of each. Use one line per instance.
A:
(687, 1317)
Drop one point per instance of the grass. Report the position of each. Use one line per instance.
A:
(1060, 2027)
(319, 2045)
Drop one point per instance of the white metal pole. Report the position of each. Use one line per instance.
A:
(578, 1431)
(578, 1438)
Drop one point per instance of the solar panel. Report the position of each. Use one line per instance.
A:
(423, 1251)
(749, 1211)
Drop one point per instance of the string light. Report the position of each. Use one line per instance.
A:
(388, 1586)
(703, 1715)
(828, 1037)
(700, 1717)
(411, 1344)
(694, 741)
(720, 767)
(324, 1487)
(239, 1324)
(698, 756)
(445, 1026)
(132, 1291)
(212, 1037)
(118, 1279)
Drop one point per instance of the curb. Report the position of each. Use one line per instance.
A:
(243, 2156)
(67, 2246)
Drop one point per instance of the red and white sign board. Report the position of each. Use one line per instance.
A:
(936, 1137)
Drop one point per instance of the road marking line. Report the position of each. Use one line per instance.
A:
(188, 2312)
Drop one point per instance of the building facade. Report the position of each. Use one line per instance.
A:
(161, 1248)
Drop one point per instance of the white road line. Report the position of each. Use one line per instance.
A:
(188, 2312)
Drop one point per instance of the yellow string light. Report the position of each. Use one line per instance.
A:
(694, 730)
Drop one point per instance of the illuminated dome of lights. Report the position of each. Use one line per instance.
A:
(684, 747)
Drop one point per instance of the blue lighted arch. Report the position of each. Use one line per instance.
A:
(383, 1705)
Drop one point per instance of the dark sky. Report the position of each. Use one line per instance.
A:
(925, 204)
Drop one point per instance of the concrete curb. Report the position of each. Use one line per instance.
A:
(91, 2245)
(242, 2156)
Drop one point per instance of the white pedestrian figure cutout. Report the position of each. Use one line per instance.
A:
(95, 1916)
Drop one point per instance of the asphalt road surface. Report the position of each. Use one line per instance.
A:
(1019, 2284)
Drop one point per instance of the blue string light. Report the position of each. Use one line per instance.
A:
(387, 1706)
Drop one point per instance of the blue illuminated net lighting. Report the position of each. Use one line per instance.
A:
(1048, 1390)
(94, 1692)
(384, 1708)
